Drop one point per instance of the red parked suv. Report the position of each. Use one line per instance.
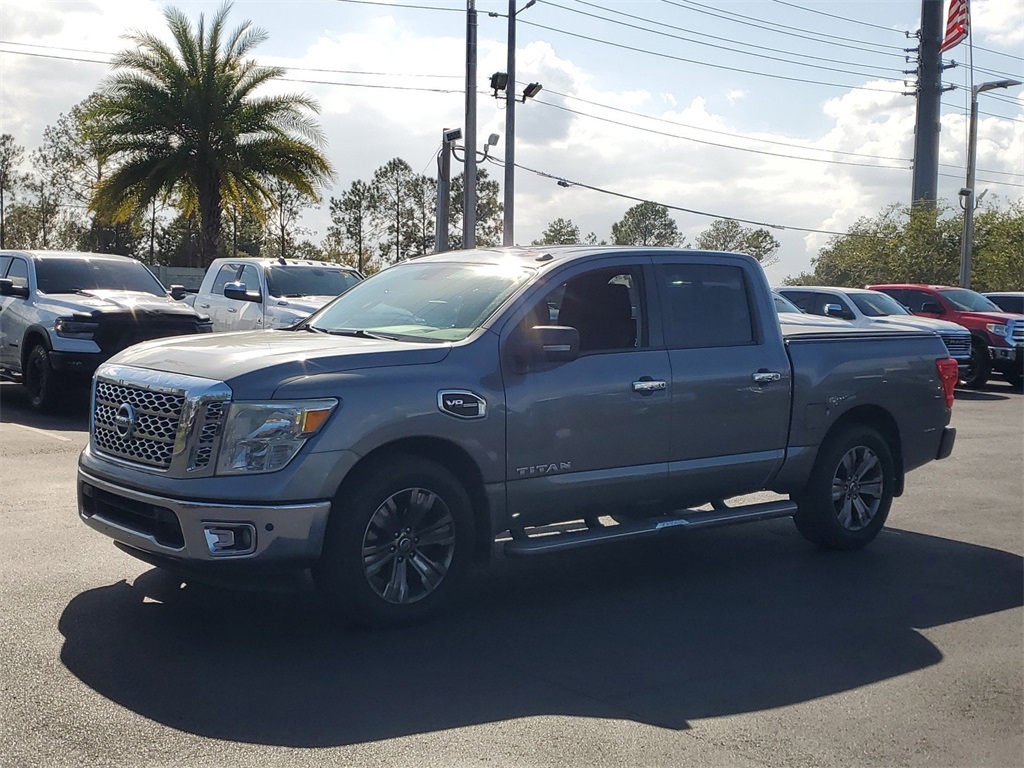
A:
(997, 337)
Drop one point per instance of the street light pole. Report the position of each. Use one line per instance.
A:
(469, 196)
(507, 227)
(968, 192)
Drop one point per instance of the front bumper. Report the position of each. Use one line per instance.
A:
(195, 532)
(1007, 358)
(77, 363)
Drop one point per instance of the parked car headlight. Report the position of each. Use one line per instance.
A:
(998, 329)
(264, 437)
(69, 328)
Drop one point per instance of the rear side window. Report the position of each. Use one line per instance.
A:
(18, 273)
(915, 300)
(705, 305)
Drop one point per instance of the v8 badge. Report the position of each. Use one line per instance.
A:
(462, 404)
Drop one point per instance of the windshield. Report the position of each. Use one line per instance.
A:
(782, 304)
(877, 304)
(429, 301)
(72, 274)
(969, 301)
(295, 280)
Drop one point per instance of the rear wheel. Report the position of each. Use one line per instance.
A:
(41, 381)
(398, 543)
(979, 368)
(850, 491)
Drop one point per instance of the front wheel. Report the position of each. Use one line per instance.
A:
(980, 367)
(847, 499)
(397, 544)
(41, 381)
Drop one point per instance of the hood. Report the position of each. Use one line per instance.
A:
(98, 302)
(305, 304)
(255, 363)
(918, 323)
(1002, 318)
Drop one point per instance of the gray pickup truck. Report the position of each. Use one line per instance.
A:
(458, 399)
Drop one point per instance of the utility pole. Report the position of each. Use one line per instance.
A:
(469, 199)
(444, 177)
(929, 101)
(508, 223)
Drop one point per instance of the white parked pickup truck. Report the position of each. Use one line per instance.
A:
(249, 294)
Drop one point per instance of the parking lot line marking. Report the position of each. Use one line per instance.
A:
(44, 432)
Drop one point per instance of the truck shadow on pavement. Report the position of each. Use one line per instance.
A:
(724, 622)
(71, 416)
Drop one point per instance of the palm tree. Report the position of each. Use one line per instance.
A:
(184, 119)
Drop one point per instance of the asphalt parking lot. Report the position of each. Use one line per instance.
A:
(739, 646)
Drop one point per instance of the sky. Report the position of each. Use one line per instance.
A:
(788, 114)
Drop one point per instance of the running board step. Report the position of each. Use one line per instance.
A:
(528, 546)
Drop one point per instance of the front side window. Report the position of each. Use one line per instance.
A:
(227, 274)
(432, 301)
(5, 262)
(292, 281)
(915, 300)
(604, 305)
(251, 278)
(706, 305)
(18, 273)
(71, 275)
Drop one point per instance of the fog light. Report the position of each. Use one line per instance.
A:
(230, 539)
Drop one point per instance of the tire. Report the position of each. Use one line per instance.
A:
(44, 387)
(980, 366)
(850, 491)
(375, 570)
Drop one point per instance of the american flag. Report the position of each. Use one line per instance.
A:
(958, 24)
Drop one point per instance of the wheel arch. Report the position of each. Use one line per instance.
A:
(452, 457)
(35, 334)
(882, 422)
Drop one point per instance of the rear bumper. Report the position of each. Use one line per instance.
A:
(191, 533)
(946, 443)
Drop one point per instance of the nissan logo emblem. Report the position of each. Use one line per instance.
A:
(125, 420)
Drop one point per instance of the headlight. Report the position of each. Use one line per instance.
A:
(70, 328)
(997, 329)
(264, 437)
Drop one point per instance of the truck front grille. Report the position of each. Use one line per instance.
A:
(1018, 334)
(150, 439)
(158, 421)
(957, 345)
(149, 519)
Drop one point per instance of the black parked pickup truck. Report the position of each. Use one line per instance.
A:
(389, 439)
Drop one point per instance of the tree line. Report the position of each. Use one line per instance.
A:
(176, 160)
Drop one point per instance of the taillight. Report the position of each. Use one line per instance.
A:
(949, 374)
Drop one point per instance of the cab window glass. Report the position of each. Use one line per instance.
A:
(705, 305)
(17, 273)
(605, 306)
(4, 263)
(251, 277)
(915, 300)
(226, 275)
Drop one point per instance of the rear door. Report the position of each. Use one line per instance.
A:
(730, 379)
(589, 436)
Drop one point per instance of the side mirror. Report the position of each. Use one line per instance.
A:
(834, 310)
(544, 344)
(932, 308)
(8, 288)
(178, 292)
(237, 292)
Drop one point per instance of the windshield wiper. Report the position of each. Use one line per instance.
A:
(358, 333)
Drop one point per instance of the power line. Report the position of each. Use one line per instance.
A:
(717, 37)
(702, 63)
(562, 181)
(403, 5)
(766, 26)
(841, 18)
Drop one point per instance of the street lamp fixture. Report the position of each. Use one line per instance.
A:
(531, 90)
(968, 199)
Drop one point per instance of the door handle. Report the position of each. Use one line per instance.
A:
(766, 377)
(646, 386)
(232, 309)
(204, 306)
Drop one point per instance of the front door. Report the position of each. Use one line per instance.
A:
(590, 436)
